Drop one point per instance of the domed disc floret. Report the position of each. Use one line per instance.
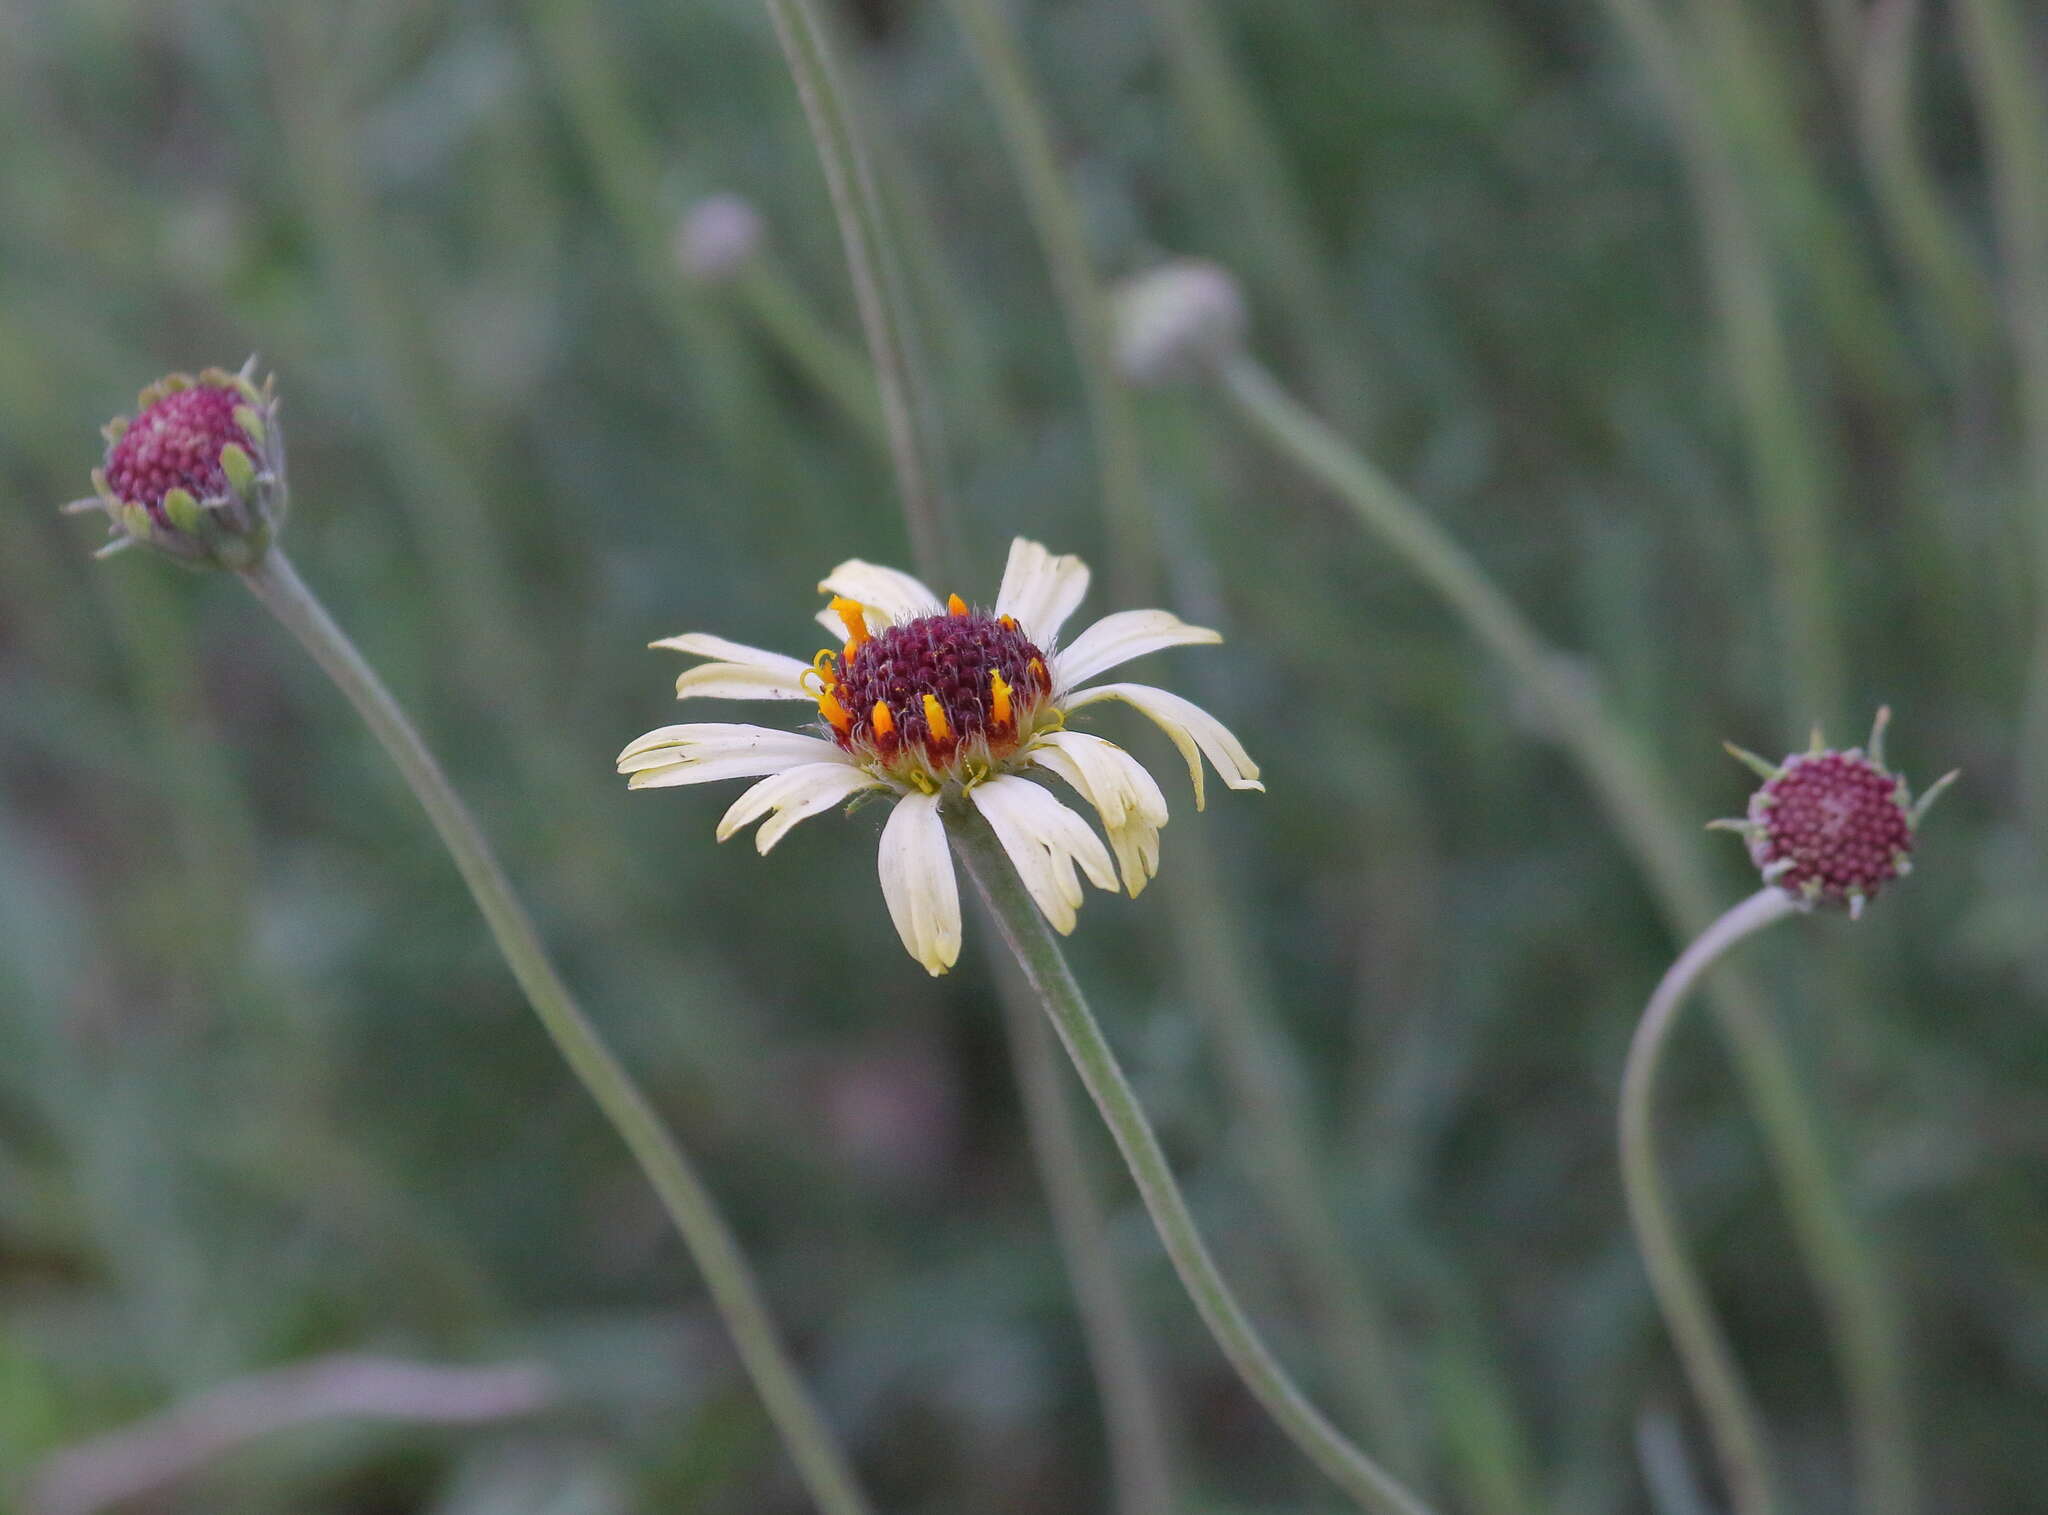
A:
(197, 471)
(935, 697)
(1832, 827)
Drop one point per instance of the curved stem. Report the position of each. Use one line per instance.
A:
(1732, 1419)
(1631, 790)
(1140, 1459)
(731, 1282)
(877, 282)
(1038, 952)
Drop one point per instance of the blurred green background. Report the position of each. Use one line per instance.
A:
(266, 1092)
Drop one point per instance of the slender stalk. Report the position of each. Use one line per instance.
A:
(689, 1203)
(1235, 136)
(1140, 1459)
(1038, 953)
(1732, 1418)
(1904, 186)
(877, 280)
(2013, 118)
(1635, 796)
(1791, 473)
(817, 352)
(1084, 307)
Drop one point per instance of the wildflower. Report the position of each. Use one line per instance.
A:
(943, 704)
(1832, 828)
(197, 472)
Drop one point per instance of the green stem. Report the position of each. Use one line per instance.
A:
(1038, 952)
(2013, 119)
(1140, 1459)
(817, 352)
(1635, 797)
(907, 410)
(689, 1203)
(1732, 1418)
(1791, 474)
(1084, 307)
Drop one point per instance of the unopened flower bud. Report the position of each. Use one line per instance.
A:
(717, 237)
(1178, 321)
(197, 472)
(1832, 828)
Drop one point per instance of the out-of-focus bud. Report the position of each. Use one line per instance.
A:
(197, 472)
(1178, 321)
(717, 237)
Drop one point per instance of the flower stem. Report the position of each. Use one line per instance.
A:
(1732, 1419)
(1038, 953)
(1632, 791)
(907, 407)
(1140, 1459)
(689, 1203)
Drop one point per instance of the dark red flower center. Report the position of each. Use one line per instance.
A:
(175, 444)
(1837, 818)
(939, 683)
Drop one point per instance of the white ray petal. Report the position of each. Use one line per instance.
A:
(702, 644)
(738, 681)
(918, 883)
(705, 752)
(793, 795)
(1122, 792)
(1045, 840)
(1041, 590)
(896, 595)
(1120, 637)
(1191, 728)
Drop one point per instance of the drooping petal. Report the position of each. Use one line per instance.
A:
(1191, 728)
(1122, 792)
(706, 752)
(1120, 637)
(1045, 840)
(918, 883)
(891, 592)
(1040, 590)
(793, 795)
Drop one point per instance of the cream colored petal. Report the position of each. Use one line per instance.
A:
(1123, 794)
(703, 645)
(1191, 728)
(918, 883)
(1045, 840)
(738, 681)
(1041, 590)
(1120, 637)
(707, 752)
(793, 795)
(890, 591)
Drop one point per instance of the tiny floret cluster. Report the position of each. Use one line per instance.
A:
(1832, 827)
(196, 472)
(945, 704)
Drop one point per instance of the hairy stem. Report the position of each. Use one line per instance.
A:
(1732, 1417)
(1038, 953)
(689, 1203)
(1630, 789)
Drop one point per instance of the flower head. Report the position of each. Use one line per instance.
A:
(197, 472)
(947, 704)
(1832, 828)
